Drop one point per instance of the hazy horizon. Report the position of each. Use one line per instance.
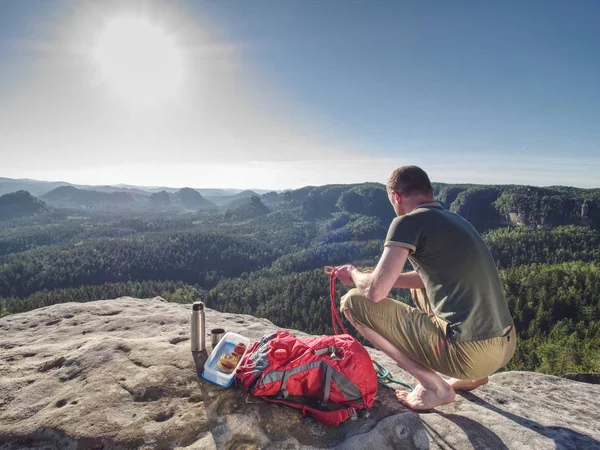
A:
(244, 188)
(274, 96)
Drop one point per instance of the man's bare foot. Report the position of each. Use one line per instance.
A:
(466, 385)
(423, 399)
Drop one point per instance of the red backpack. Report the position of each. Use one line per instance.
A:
(330, 377)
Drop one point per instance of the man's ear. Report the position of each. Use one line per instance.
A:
(398, 197)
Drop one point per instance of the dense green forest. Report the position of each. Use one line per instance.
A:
(263, 254)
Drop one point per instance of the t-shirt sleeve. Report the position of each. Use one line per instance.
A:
(404, 232)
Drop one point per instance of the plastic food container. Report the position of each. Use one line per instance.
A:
(211, 372)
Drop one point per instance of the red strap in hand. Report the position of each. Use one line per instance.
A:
(335, 317)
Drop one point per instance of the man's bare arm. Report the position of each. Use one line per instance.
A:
(377, 284)
(409, 280)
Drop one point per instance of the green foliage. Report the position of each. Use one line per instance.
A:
(249, 209)
(20, 238)
(3, 310)
(16, 240)
(160, 199)
(20, 204)
(300, 300)
(282, 230)
(368, 200)
(445, 194)
(173, 291)
(320, 255)
(202, 258)
(515, 246)
(475, 204)
(191, 199)
(132, 200)
(271, 198)
(72, 197)
(343, 227)
(321, 201)
(548, 206)
(556, 309)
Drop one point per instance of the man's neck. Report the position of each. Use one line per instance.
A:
(412, 203)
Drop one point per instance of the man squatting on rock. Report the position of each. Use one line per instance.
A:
(461, 326)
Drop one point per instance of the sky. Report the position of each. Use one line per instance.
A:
(283, 94)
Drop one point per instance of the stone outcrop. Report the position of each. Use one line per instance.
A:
(119, 374)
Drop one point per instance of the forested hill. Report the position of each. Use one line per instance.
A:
(485, 206)
(20, 204)
(130, 200)
(263, 254)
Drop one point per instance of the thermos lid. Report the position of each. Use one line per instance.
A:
(198, 306)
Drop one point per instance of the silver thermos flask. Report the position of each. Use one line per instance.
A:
(198, 327)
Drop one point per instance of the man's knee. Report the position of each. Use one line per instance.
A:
(350, 304)
(349, 300)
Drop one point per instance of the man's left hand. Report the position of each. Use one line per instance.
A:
(343, 273)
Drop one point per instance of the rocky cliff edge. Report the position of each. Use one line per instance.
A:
(119, 374)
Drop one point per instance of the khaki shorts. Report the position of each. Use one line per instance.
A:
(419, 334)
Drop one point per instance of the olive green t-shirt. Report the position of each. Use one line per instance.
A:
(457, 268)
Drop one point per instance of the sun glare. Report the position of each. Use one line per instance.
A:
(140, 60)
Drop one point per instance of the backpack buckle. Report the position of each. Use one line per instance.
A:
(282, 394)
(362, 413)
(333, 352)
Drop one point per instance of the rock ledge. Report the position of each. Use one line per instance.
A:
(119, 374)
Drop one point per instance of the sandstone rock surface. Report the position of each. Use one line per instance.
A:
(119, 374)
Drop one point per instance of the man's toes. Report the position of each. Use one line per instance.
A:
(401, 395)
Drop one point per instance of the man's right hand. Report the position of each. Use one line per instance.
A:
(343, 273)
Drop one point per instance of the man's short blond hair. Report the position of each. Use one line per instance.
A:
(410, 181)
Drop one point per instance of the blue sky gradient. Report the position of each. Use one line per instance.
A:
(337, 91)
